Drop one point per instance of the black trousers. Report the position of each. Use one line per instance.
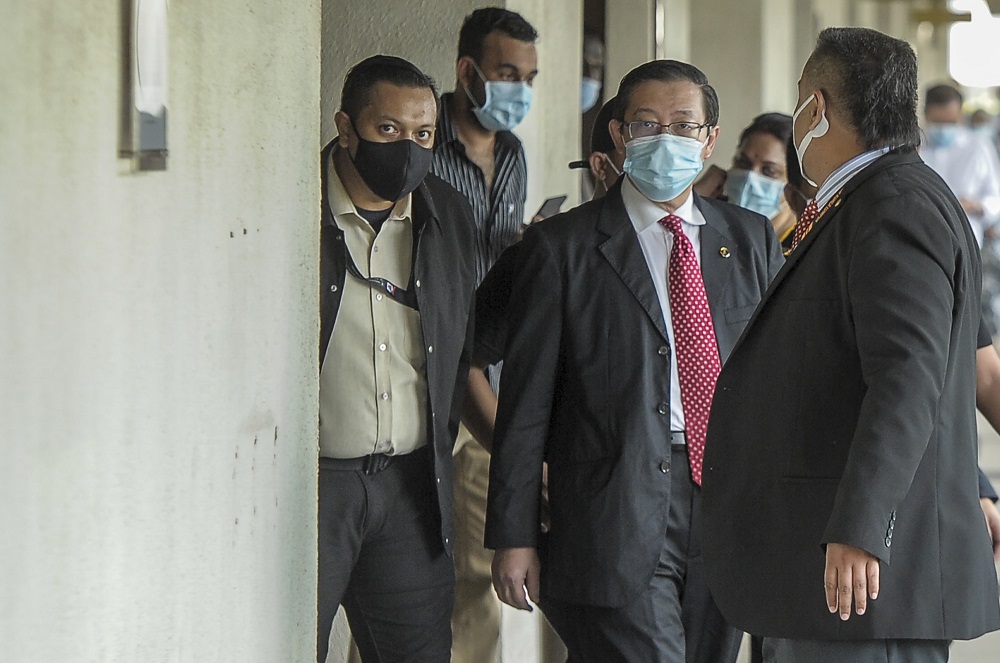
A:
(675, 619)
(778, 650)
(380, 555)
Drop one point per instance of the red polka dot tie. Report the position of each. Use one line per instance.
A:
(805, 224)
(695, 347)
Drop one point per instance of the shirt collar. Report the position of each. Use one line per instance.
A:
(644, 213)
(845, 173)
(340, 202)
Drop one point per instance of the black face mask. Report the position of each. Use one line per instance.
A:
(391, 170)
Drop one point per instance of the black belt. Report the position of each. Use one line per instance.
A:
(678, 440)
(370, 464)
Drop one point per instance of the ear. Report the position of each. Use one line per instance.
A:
(465, 71)
(713, 137)
(344, 129)
(819, 110)
(596, 165)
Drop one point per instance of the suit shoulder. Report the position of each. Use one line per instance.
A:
(569, 226)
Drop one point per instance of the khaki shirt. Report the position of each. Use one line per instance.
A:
(373, 390)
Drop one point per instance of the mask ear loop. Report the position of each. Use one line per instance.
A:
(486, 87)
(821, 128)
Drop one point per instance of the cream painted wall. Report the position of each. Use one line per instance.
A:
(158, 341)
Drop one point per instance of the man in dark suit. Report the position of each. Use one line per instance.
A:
(864, 484)
(396, 290)
(626, 306)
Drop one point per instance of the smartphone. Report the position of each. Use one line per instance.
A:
(549, 208)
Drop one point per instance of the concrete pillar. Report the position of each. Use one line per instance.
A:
(159, 341)
(746, 49)
(673, 30)
(629, 26)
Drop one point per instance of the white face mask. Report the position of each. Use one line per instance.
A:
(819, 131)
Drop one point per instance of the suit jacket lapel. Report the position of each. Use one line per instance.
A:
(880, 164)
(622, 251)
(717, 247)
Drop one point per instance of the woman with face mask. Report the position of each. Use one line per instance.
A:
(759, 173)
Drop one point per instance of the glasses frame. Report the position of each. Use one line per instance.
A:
(665, 128)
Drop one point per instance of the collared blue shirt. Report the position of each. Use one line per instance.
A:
(840, 177)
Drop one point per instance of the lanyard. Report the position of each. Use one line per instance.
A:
(407, 297)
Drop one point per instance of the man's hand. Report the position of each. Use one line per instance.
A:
(850, 573)
(514, 570)
(992, 524)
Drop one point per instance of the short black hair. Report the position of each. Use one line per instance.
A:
(942, 95)
(667, 71)
(600, 135)
(363, 77)
(870, 81)
(778, 125)
(482, 22)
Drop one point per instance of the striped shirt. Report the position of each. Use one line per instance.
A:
(497, 213)
(845, 173)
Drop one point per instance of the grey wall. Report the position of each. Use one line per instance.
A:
(158, 341)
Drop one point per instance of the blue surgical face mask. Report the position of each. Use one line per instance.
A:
(942, 135)
(663, 166)
(505, 106)
(754, 191)
(590, 92)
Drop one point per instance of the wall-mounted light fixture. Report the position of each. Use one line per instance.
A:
(143, 125)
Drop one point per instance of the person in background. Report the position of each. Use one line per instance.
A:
(477, 154)
(967, 164)
(756, 180)
(591, 86)
(984, 124)
(970, 166)
(396, 289)
(605, 159)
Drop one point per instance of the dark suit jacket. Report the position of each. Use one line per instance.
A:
(586, 386)
(846, 414)
(445, 273)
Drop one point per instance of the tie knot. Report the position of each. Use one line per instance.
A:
(672, 222)
(811, 210)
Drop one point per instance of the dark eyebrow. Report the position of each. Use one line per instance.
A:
(513, 68)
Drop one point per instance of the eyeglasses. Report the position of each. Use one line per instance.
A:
(645, 129)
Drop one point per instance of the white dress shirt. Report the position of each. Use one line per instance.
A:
(971, 169)
(656, 242)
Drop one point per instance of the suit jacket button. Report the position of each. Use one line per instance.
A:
(663, 351)
(663, 408)
(333, 288)
(665, 467)
(888, 541)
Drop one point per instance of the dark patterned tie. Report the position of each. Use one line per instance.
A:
(696, 349)
(805, 224)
